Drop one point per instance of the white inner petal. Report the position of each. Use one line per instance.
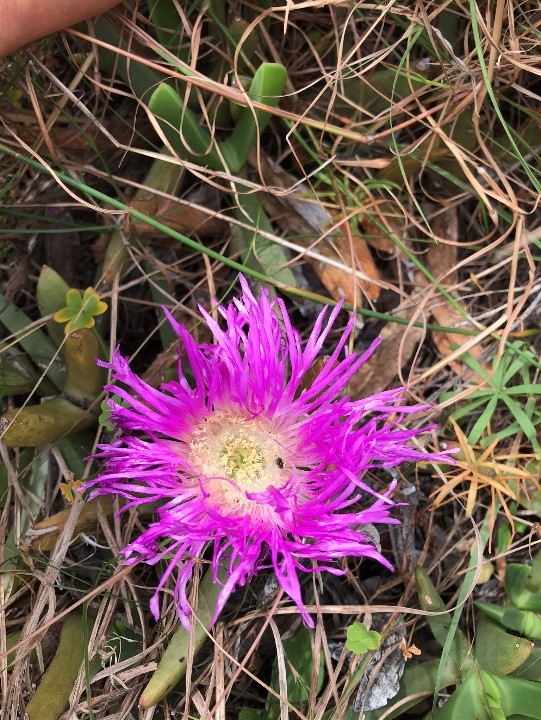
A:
(230, 450)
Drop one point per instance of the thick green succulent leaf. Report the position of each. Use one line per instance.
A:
(84, 377)
(467, 702)
(440, 625)
(167, 23)
(52, 290)
(533, 583)
(258, 251)
(522, 592)
(138, 76)
(524, 622)
(496, 650)
(519, 697)
(172, 666)
(14, 380)
(248, 713)
(492, 696)
(531, 668)
(35, 425)
(236, 31)
(181, 128)
(193, 142)
(418, 682)
(52, 695)
(266, 88)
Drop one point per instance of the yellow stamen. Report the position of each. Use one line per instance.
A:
(237, 455)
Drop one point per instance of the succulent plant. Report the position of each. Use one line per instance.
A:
(496, 677)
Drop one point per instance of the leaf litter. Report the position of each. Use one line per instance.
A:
(390, 175)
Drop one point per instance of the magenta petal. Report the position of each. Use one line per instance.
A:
(240, 458)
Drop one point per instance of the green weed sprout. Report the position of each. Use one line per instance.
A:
(359, 639)
(80, 310)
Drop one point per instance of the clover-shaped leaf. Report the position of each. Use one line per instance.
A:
(359, 639)
(80, 310)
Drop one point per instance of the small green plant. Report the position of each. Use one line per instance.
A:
(191, 134)
(80, 310)
(521, 613)
(508, 384)
(359, 639)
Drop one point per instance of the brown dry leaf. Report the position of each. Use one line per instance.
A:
(379, 224)
(181, 217)
(446, 343)
(441, 259)
(333, 278)
(81, 139)
(43, 535)
(161, 363)
(304, 219)
(397, 341)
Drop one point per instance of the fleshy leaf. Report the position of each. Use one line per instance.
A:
(497, 651)
(51, 697)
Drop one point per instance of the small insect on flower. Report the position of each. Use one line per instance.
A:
(255, 455)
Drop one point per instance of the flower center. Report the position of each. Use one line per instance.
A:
(242, 459)
(235, 456)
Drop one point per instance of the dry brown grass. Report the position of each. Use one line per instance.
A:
(423, 209)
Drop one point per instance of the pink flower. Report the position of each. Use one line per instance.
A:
(242, 455)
